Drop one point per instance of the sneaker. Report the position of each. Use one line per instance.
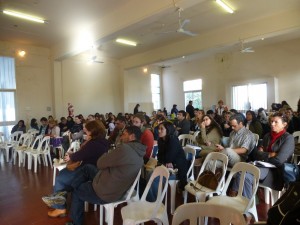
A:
(54, 200)
(59, 193)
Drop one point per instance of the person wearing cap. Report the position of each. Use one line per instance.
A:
(174, 110)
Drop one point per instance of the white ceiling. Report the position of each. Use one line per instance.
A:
(143, 21)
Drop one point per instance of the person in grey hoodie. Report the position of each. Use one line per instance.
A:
(116, 172)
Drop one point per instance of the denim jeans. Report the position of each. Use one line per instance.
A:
(84, 192)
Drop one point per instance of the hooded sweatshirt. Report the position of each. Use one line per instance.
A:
(118, 170)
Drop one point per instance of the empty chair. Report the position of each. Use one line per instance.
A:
(239, 202)
(43, 150)
(185, 139)
(142, 210)
(211, 162)
(192, 211)
(13, 141)
(30, 148)
(190, 156)
(24, 142)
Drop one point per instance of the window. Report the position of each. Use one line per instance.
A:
(155, 90)
(250, 96)
(193, 92)
(7, 94)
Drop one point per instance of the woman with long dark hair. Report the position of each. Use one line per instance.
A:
(253, 124)
(210, 135)
(170, 152)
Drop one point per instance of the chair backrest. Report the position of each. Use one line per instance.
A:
(22, 139)
(190, 154)
(213, 161)
(133, 191)
(256, 136)
(243, 168)
(154, 151)
(192, 211)
(27, 139)
(44, 144)
(14, 137)
(75, 145)
(196, 133)
(163, 174)
(1, 138)
(36, 141)
(185, 139)
(296, 134)
(34, 132)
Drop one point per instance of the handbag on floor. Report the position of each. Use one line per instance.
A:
(291, 173)
(286, 210)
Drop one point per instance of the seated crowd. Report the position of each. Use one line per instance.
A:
(114, 148)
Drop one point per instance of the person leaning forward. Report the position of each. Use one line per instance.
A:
(116, 172)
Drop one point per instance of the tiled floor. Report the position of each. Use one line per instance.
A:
(21, 204)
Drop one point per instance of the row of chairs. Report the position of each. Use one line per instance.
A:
(35, 148)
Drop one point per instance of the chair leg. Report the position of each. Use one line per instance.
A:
(267, 196)
(35, 163)
(173, 194)
(7, 153)
(185, 195)
(109, 213)
(54, 175)
(101, 215)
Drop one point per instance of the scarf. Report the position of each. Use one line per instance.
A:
(274, 137)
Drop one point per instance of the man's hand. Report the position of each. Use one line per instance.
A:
(219, 148)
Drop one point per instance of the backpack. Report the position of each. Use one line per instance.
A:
(286, 209)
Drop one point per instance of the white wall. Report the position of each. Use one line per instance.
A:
(90, 88)
(34, 80)
(268, 64)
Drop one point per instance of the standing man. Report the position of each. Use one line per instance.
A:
(190, 109)
(115, 173)
(183, 126)
(241, 141)
(174, 110)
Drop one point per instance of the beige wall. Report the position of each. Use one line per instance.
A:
(90, 88)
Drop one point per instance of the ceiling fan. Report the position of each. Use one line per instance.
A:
(94, 60)
(245, 49)
(182, 24)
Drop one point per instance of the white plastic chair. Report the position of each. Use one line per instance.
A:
(34, 132)
(256, 136)
(24, 142)
(296, 134)
(143, 211)
(189, 152)
(240, 203)
(132, 195)
(75, 146)
(43, 150)
(185, 139)
(275, 195)
(211, 162)
(13, 141)
(32, 147)
(192, 211)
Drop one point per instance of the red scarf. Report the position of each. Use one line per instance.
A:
(274, 137)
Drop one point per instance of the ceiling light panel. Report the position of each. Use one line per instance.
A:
(225, 6)
(23, 16)
(126, 42)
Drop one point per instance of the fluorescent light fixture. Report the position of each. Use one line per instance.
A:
(224, 6)
(23, 16)
(126, 42)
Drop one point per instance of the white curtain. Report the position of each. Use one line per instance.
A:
(252, 96)
(7, 94)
